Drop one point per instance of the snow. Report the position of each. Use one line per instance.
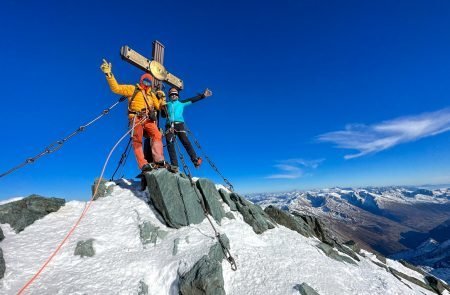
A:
(10, 200)
(270, 263)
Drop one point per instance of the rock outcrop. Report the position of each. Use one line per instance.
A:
(310, 226)
(211, 198)
(180, 204)
(226, 198)
(150, 233)
(102, 190)
(174, 198)
(206, 276)
(305, 289)
(253, 214)
(288, 220)
(2, 264)
(142, 288)
(85, 248)
(22, 213)
(2, 260)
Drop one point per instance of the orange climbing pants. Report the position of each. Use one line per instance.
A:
(156, 138)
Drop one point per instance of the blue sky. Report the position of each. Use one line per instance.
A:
(307, 94)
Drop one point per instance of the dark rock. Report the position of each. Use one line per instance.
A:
(212, 198)
(2, 264)
(253, 214)
(102, 190)
(226, 198)
(321, 232)
(174, 198)
(332, 253)
(143, 288)
(85, 248)
(176, 242)
(288, 220)
(435, 284)
(22, 213)
(410, 266)
(2, 236)
(317, 228)
(216, 251)
(149, 233)
(307, 226)
(353, 246)
(206, 276)
(305, 289)
(400, 275)
(380, 265)
(229, 215)
(381, 258)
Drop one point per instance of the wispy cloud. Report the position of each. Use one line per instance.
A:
(294, 168)
(368, 139)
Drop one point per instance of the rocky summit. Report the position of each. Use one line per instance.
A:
(159, 241)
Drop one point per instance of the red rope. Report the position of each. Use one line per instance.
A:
(86, 208)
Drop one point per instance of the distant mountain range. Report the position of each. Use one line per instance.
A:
(407, 223)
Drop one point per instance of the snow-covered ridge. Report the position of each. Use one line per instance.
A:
(374, 195)
(274, 262)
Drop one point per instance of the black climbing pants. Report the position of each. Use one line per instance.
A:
(179, 131)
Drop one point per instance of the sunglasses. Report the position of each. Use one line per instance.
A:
(147, 82)
(173, 95)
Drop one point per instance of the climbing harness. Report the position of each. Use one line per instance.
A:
(225, 250)
(59, 143)
(211, 163)
(83, 213)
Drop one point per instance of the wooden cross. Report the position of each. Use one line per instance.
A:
(154, 66)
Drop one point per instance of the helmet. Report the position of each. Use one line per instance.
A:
(146, 80)
(173, 91)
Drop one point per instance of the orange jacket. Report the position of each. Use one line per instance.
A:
(138, 103)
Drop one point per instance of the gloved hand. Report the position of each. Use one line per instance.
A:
(160, 94)
(106, 68)
(207, 93)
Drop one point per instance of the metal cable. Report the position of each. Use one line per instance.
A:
(211, 163)
(225, 250)
(53, 147)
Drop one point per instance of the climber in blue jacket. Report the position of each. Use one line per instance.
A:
(175, 125)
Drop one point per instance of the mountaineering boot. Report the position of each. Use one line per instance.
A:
(172, 168)
(161, 164)
(198, 162)
(147, 167)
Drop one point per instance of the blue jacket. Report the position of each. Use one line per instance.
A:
(175, 109)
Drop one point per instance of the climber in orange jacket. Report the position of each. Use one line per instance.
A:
(142, 106)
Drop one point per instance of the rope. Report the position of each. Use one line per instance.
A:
(53, 147)
(123, 159)
(211, 163)
(86, 208)
(225, 250)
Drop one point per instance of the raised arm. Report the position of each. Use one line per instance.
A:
(126, 90)
(199, 96)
